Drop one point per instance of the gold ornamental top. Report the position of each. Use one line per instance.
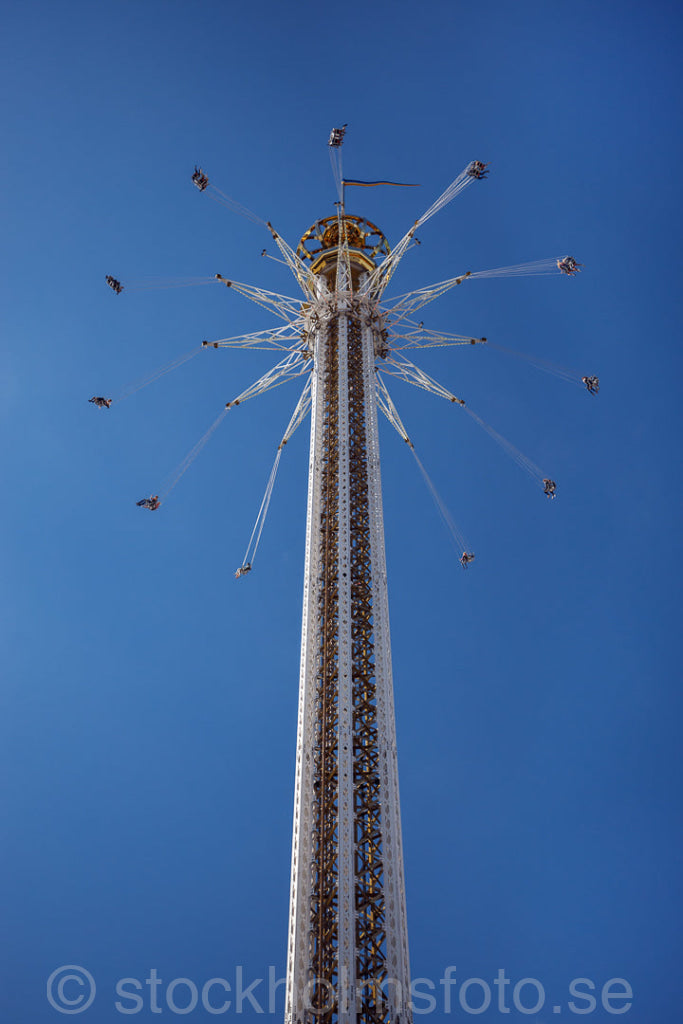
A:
(321, 242)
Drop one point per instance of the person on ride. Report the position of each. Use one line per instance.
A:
(200, 179)
(568, 265)
(337, 136)
(477, 169)
(101, 403)
(549, 487)
(152, 503)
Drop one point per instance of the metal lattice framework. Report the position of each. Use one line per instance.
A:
(348, 950)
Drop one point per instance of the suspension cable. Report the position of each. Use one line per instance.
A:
(522, 460)
(336, 162)
(562, 372)
(385, 403)
(147, 284)
(232, 204)
(533, 269)
(250, 553)
(182, 468)
(300, 411)
(457, 536)
(143, 382)
(380, 277)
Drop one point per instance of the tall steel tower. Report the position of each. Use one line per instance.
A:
(348, 941)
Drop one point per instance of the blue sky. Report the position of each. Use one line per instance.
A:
(149, 700)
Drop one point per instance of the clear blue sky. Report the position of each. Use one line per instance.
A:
(149, 699)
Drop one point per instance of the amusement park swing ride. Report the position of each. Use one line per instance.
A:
(347, 939)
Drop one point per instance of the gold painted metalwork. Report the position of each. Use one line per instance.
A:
(320, 244)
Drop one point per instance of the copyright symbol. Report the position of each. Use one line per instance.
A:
(71, 989)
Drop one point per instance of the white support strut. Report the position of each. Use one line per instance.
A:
(398, 964)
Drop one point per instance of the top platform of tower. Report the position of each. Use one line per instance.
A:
(323, 240)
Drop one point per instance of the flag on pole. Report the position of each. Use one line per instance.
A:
(369, 184)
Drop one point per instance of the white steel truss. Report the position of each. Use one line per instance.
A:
(348, 943)
(401, 367)
(277, 339)
(293, 365)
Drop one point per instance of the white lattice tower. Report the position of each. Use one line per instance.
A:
(347, 945)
